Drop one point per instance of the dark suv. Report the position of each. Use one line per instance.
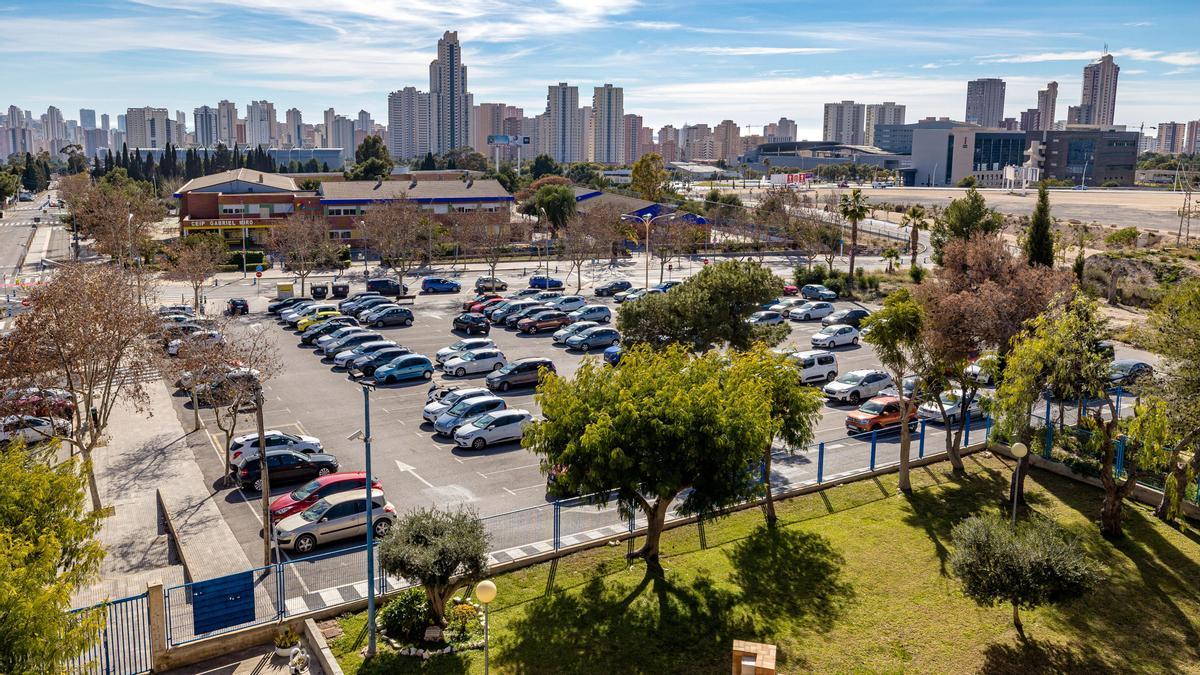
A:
(472, 323)
(387, 287)
(849, 317)
(522, 372)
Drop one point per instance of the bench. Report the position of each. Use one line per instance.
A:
(406, 299)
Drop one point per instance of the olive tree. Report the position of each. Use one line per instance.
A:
(896, 333)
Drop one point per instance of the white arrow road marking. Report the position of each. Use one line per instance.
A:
(413, 470)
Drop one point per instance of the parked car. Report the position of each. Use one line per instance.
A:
(523, 293)
(344, 358)
(470, 304)
(598, 313)
(337, 334)
(334, 518)
(857, 385)
(612, 355)
(786, 304)
(440, 285)
(909, 384)
(540, 321)
(31, 429)
(393, 315)
(435, 408)
(545, 297)
(285, 467)
(475, 361)
(176, 331)
(667, 285)
(501, 313)
(765, 318)
(815, 365)
(366, 304)
(493, 428)
(546, 282)
(387, 287)
(465, 411)
(621, 296)
(237, 306)
(1124, 372)
(846, 317)
(568, 303)
(367, 364)
(303, 324)
(512, 320)
(407, 367)
(471, 323)
(638, 295)
(287, 312)
(294, 318)
(212, 337)
(39, 402)
(316, 489)
(983, 369)
(169, 310)
(612, 288)
(952, 401)
(485, 306)
(246, 446)
(349, 342)
(790, 289)
(810, 310)
(350, 304)
(561, 335)
(817, 292)
(446, 353)
(599, 336)
(490, 284)
(518, 373)
(880, 412)
(225, 387)
(836, 335)
(286, 303)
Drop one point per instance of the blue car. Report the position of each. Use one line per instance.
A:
(542, 281)
(407, 367)
(612, 355)
(668, 285)
(440, 285)
(596, 336)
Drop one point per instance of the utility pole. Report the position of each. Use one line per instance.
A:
(268, 529)
(366, 439)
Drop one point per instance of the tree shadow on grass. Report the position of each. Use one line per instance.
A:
(1022, 657)
(938, 510)
(790, 578)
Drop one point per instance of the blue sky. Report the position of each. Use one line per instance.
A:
(679, 61)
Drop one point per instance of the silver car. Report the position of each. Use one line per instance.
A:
(434, 409)
(498, 427)
(339, 516)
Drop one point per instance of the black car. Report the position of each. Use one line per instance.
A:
(612, 288)
(387, 287)
(472, 323)
(379, 359)
(326, 327)
(285, 467)
(237, 306)
(849, 317)
(514, 318)
(1125, 372)
(277, 307)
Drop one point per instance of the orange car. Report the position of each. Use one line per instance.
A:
(881, 412)
(544, 321)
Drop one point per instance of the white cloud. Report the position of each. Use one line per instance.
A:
(656, 25)
(757, 51)
(1173, 58)
(930, 66)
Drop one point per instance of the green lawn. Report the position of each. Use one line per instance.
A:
(855, 580)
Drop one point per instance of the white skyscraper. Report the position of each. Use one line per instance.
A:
(364, 121)
(450, 102)
(844, 122)
(608, 126)
(587, 127)
(342, 136)
(55, 128)
(104, 122)
(260, 124)
(293, 135)
(985, 102)
(1099, 101)
(880, 113)
(205, 119)
(148, 127)
(227, 117)
(87, 119)
(562, 133)
(1047, 101)
(409, 123)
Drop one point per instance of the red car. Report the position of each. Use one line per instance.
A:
(481, 307)
(313, 491)
(789, 289)
(482, 297)
(38, 402)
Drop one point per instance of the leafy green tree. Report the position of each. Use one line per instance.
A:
(583, 173)
(649, 177)
(853, 207)
(655, 320)
(662, 426)
(30, 180)
(968, 182)
(964, 218)
(444, 551)
(48, 551)
(544, 165)
(428, 163)
(896, 333)
(915, 219)
(795, 408)
(720, 298)
(557, 204)
(9, 185)
(1035, 564)
(1039, 240)
(371, 160)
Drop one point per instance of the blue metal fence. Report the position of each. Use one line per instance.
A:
(123, 646)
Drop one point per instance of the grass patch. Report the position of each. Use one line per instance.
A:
(855, 579)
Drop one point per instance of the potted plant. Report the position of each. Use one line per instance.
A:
(285, 641)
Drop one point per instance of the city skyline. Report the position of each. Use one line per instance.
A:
(675, 66)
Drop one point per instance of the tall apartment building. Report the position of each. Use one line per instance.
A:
(697, 142)
(329, 116)
(633, 138)
(985, 102)
(645, 141)
(668, 143)
(121, 126)
(587, 123)
(364, 122)
(608, 125)
(293, 130)
(1047, 100)
(54, 128)
(1192, 145)
(180, 124)
(205, 119)
(488, 121)
(844, 122)
(16, 118)
(727, 141)
(148, 127)
(342, 136)
(783, 131)
(260, 124)
(1099, 100)
(94, 141)
(563, 128)
(227, 117)
(409, 124)
(880, 113)
(1030, 120)
(450, 102)
(1171, 137)
(87, 119)
(104, 122)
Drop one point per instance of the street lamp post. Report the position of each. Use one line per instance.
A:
(366, 439)
(486, 592)
(1018, 450)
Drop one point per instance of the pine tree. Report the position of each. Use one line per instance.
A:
(97, 170)
(29, 176)
(109, 163)
(124, 159)
(428, 164)
(1039, 241)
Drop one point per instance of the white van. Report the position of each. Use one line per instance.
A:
(816, 365)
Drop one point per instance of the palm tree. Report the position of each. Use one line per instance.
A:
(915, 218)
(853, 207)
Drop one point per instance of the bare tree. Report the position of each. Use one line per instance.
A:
(303, 241)
(586, 237)
(398, 231)
(119, 214)
(483, 235)
(194, 259)
(87, 333)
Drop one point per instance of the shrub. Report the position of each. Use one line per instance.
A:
(462, 618)
(286, 638)
(404, 616)
(967, 182)
(916, 273)
(1123, 238)
(1110, 184)
(809, 276)
(835, 284)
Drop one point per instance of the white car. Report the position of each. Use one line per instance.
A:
(338, 334)
(311, 310)
(446, 353)
(287, 314)
(32, 429)
(176, 345)
(167, 310)
(434, 409)
(983, 370)
(815, 365)
(345, 357)
(952, 400)
(247, 446)
(476, 361)
(784, 305)
(857, 385)
(560, 336)
(813, 309)
(837, 335)
(599, 313)
(567, 303)
(496, 427)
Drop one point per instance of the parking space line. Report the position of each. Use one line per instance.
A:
(522, 489)
(299, 577)
(513, 468)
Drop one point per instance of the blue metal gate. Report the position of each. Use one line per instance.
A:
(123, 647)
